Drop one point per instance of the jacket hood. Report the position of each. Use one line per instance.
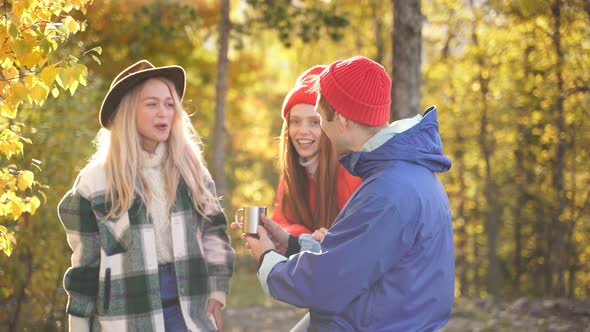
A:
(420, 145)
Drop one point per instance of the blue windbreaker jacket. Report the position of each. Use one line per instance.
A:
(387, 263)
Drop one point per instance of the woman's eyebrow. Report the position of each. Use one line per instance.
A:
(156, 98)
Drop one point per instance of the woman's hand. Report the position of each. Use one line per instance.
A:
(319, 234)
(236, 226)
(214, 308)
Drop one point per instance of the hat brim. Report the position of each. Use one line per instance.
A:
(175, 74)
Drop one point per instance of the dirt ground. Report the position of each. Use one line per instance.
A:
(469, 315)
(275, 318)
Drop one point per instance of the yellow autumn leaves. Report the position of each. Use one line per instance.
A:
(16, 196)
(14, 202)
(11, 204)
(30, 33)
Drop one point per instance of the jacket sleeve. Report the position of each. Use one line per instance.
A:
(218, 253)
(295, 229)
(81, 279)
(357, 252)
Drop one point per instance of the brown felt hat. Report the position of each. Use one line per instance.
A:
(130, 77)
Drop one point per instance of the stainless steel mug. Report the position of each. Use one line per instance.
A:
(249, 216)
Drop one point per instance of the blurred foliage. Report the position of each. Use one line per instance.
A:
(304, 20)
(31, 32)
(497, 58)
(526, 71)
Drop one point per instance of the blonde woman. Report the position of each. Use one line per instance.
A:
(148, 235)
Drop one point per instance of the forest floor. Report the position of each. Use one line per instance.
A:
(469, 315)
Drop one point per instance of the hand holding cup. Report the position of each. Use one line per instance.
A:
(249, 219)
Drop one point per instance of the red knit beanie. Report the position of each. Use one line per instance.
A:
(359, 89)
(300, 94)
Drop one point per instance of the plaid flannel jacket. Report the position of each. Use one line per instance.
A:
(114, 274)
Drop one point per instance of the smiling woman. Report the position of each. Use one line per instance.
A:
(305, 132)
(150, 251)
(313, 187)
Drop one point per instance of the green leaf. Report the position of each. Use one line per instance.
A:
(47, 45)
(22, 47)
(13, 30)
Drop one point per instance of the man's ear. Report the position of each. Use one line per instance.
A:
(342, 122)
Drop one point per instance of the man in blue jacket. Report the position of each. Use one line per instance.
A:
(387, 262)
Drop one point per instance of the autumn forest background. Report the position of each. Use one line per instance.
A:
(511, 80)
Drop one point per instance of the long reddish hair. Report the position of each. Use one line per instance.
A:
(295, 201)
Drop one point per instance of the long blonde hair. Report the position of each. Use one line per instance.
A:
(118, 148)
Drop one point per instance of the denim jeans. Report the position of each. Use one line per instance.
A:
(173, 320)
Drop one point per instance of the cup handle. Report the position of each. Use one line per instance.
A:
(239, 212)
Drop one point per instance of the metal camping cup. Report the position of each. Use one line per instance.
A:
(249, 216)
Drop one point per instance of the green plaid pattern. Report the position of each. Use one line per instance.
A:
(130, 298)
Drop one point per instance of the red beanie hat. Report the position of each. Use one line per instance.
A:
(359, 89)
(300, 94)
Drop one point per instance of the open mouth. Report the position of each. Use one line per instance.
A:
(162, 126)
(304, 143)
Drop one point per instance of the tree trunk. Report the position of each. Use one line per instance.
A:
(21, 294)
(219, 131)
(406, 91)
(55, 297)
(570, 243)
(492, 219)
(478, 284)
(486, 144)
(518, 211)
(460, 229)
(559, 161)
(524, 169)
(579, 211)
(378, 24)
(524, 179)
(544, 249)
